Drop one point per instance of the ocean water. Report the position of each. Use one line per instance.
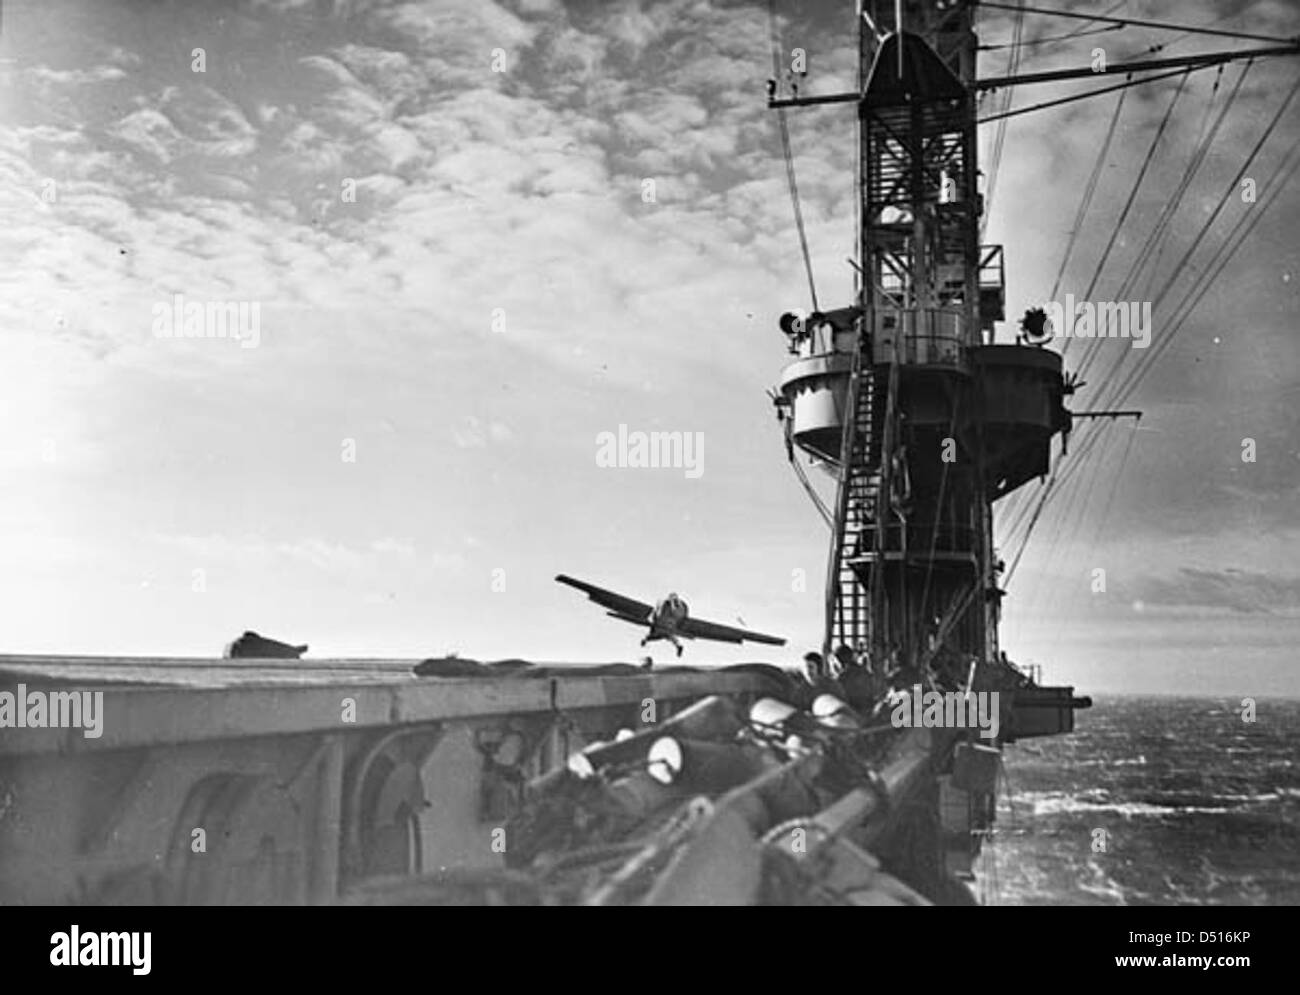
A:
(1198, 808)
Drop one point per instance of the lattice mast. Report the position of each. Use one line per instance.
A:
(911, 531)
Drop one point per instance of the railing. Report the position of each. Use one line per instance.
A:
(919, 536)
(835, 332)
(919, 336)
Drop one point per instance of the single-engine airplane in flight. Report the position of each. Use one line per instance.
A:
(669, 619)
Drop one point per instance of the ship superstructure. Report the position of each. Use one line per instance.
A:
(903, 396)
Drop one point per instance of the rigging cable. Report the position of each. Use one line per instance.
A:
(1029, 518)
(1135, 375)
(1123, 390)
(1236, 236)
(1083, 456)
(1227, 195)
(1046, 41)
(803, 476)
(1079, 459)
(1078, 33)
(1158, 25)
(1170, 209)
(1087, 94)
(1000, 134)
(788, 155)
(1245, 224)
(1073, 507)
(1042, 501)
(1080, 520)
(1187, 34)
(1159, 233)
(1093, 347)
(1114, 487)
(1086, 201)
(1153, 240)
(1128, 204)
(1105, 511)
(1059, 478)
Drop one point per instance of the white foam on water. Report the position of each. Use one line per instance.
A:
(1102, 885)
(1061, 803)
(1138, 761)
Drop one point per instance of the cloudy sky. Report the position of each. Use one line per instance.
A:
(407, 457)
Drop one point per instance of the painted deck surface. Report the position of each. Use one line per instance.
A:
(302, 778)
(154, 700)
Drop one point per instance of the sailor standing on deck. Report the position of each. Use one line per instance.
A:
(819, 680)
(844, 660)
(861, 683)
(814, 667)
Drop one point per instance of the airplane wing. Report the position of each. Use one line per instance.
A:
(697, 628)
(628, 609)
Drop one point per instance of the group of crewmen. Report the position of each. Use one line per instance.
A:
(854, 677)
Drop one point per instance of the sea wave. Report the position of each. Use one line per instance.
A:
(1138, 761)
(1205, 811)
(1099, 800)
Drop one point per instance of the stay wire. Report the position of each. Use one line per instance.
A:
(1086, 201)
(1245, 225)
(788, 154)
(1132, 197)
(1225, 199)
